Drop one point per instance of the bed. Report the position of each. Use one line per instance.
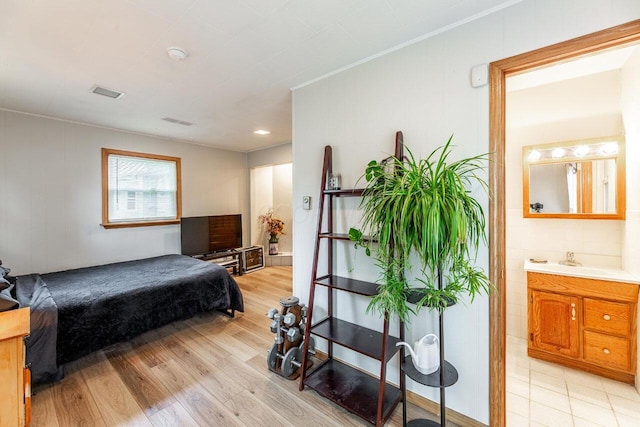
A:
(76, 312)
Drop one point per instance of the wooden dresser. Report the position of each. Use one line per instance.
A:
(15, 404)
(586, 324)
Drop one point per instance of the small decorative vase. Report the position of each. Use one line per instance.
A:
(273, 245)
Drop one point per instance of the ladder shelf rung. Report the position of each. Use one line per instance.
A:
(347, 192)
(341, 236)
(346, 284)
(354, 390)
(334, 236)
(355, 337)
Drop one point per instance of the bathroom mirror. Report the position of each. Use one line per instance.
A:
(575, 179)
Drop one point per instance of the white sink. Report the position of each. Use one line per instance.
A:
(600, 273)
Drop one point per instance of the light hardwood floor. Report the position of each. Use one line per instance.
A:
(206, 371)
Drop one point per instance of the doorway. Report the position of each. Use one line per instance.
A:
(616, 36)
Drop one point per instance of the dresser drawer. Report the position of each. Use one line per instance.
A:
(606, 350)
(607, 316)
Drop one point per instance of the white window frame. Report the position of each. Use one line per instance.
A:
(134, 222)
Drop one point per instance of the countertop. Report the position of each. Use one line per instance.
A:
(599, 273)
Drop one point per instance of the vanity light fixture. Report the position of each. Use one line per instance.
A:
(534, 156)
(581, 150)
(262, 132)
(557, 152)
(609, 148)
(599, 190)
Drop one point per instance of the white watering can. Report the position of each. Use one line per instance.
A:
(426, 353)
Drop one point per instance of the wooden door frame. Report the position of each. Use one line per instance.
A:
(498, 71)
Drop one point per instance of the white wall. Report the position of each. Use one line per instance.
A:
(51, 200)
(282, 191)
(261, 188)
(271, 187)
(277, 155)
(631, 117)
(424, 90)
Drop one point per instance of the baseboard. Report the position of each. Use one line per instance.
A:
(434, 408)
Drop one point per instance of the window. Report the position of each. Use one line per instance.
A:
(139, 189)
(131, 200)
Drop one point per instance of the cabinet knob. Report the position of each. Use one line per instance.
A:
(573, 311)
(606, 317)
(606, 351)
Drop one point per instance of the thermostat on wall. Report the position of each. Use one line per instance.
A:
(479, 75)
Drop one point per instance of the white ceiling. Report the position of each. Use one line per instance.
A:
(245, 55)
(588, 96)
(585, 65)
(585, 86)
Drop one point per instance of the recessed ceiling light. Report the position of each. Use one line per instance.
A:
(177, 53)
(262, 132)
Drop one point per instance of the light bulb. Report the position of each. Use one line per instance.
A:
(581, 150)
(534, 156)
(609, 148)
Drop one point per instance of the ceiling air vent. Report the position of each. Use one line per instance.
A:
(176, 121)
(107, 92)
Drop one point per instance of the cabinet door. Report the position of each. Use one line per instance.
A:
(553, 323)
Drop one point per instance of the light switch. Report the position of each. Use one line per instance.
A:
(306, 202)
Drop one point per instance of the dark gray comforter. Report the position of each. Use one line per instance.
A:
(41, 343)
(103, 305)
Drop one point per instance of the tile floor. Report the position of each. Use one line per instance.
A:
(545, 394)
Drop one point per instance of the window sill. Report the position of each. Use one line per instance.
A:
(140, 224)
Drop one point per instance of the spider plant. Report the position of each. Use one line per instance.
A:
(424, 207)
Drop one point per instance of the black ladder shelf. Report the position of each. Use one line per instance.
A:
(365, 395)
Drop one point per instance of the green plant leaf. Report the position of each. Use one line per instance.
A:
(355, 234)
(424, 207)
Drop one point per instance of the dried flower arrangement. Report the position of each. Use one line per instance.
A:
(272, 225)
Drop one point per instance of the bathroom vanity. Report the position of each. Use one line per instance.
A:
(584, 318)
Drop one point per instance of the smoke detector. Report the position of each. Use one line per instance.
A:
(177, 53)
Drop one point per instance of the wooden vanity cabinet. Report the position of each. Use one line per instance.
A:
(15, 378)
(583, 323)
